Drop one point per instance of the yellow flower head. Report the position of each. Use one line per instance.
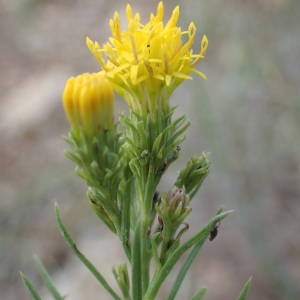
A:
(146, 62)
(89, 102)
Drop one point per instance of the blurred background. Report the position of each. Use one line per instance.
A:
(247, 115)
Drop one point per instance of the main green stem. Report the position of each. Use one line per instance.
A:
(146, 194)
(144, 234)
(144, 254)
(140, 254)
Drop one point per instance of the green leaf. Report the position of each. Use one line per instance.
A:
(70, 242)
(47, 280)
(199, 294)
(174, 257)
(122, 277)
(30, 288)
(184, 268)
(245, 290)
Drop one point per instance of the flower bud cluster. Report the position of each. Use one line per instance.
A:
(172, 209)
(192, 176)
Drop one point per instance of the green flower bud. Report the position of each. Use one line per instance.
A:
(172, 209)
(122, 277)
(192, 176)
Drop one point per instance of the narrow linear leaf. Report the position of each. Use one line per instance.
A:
(179, 122)
(174, 257)
(199, 294)
(245, 290)
(179, 132)
(47, 280)
(70, 242)
(123, 285)
(34, 294)
(185, 267)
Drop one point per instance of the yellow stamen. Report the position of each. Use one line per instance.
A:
(148, 58)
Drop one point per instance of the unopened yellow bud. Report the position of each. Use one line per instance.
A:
(88, 101)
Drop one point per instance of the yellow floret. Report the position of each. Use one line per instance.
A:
(146, 62)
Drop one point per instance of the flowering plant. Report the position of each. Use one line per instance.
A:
(123, 162)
